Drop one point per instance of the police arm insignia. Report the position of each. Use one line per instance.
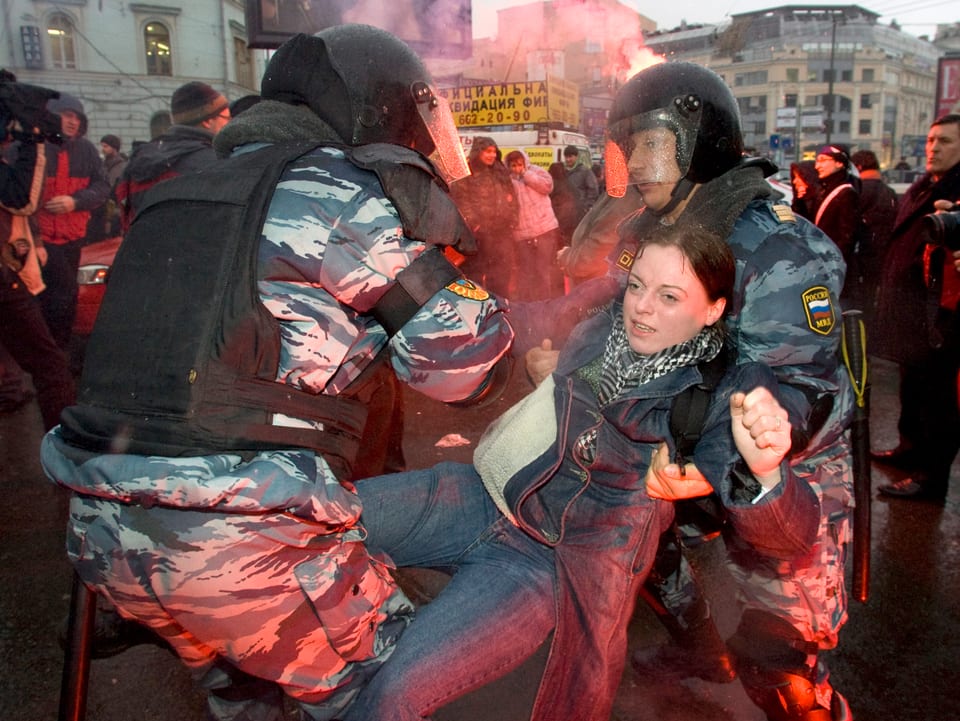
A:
(821, 316)
(468, 289)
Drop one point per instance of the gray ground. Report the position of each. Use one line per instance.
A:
(897, 660)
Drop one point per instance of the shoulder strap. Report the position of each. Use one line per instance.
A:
(689, 408)
(826, 201)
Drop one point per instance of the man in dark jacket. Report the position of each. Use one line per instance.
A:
(581, 179)
(838, 214)
(878, 207)
(919, 306)
(199, 112)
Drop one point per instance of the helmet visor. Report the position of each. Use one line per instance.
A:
(437, 119)
(655, 147)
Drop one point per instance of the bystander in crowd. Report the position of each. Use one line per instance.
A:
(918, 307)
(488, 203)
(535, 274)
(199, 112)
(75, 185)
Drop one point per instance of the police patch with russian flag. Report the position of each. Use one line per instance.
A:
(821, 316)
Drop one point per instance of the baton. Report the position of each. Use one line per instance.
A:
(854, 349)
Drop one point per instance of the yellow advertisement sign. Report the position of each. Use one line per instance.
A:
(563, 102)
(539, 101)
(498, 104)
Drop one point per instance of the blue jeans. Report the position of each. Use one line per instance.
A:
(494, 613)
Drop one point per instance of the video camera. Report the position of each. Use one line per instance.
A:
(944, 228)
(27, 104)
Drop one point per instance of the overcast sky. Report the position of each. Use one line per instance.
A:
(919, 17)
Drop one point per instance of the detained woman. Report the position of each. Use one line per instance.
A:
(551, 528)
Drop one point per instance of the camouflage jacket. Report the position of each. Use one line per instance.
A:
(785, 311)
(260, 560)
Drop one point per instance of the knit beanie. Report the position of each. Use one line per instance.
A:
(837, 152)
(65, 102)
(112, 140)
(194, 102)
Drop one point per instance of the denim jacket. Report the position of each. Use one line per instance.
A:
(605, 528)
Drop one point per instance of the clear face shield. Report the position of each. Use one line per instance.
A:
(447, 155)
(653, 148)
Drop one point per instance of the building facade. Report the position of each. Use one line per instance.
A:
(804, 75)
(125, 59)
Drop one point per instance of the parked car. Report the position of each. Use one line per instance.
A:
(95, 262)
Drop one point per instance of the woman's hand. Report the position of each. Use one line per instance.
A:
(761, 431)
(541, 362)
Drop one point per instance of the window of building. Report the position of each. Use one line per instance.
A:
(793, 75)
(866, 101)
(593, 47)
(868, 75)
(757, 77)
(865, 127)
(844, 104)
(790, 100)
(60, 36)
(244, 63)
(844, 127)
(156, 42)
(846, 76)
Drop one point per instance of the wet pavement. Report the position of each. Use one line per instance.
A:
(897, 660)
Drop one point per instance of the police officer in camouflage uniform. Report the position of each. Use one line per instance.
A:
(239, 544)
(675, 136)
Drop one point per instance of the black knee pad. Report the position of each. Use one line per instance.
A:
(771, 659)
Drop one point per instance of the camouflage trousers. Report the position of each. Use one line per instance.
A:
(270, 596)
(809, 592)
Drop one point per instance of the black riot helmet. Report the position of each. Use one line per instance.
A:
(691, 101)
(370, 87)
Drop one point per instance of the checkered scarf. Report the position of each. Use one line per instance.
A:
(623, 369)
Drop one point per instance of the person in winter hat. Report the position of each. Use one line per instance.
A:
(199, 112)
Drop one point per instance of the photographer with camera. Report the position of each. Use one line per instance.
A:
(918, 294)
(23, 331)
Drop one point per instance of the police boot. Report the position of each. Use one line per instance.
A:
(113, 634)
(773, 661)
(695, 650)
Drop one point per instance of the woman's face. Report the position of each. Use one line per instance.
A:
(653, 166)
(488, 155)
(799, 185)
(665, 303)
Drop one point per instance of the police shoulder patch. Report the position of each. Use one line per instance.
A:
(625, 259)
(821, 316)
(468, 289)
(784, 213)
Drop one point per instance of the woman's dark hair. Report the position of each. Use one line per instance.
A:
(711, 259)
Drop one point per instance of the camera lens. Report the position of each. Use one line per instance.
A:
(944, 228)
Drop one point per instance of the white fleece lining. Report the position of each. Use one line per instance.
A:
(514, 440)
